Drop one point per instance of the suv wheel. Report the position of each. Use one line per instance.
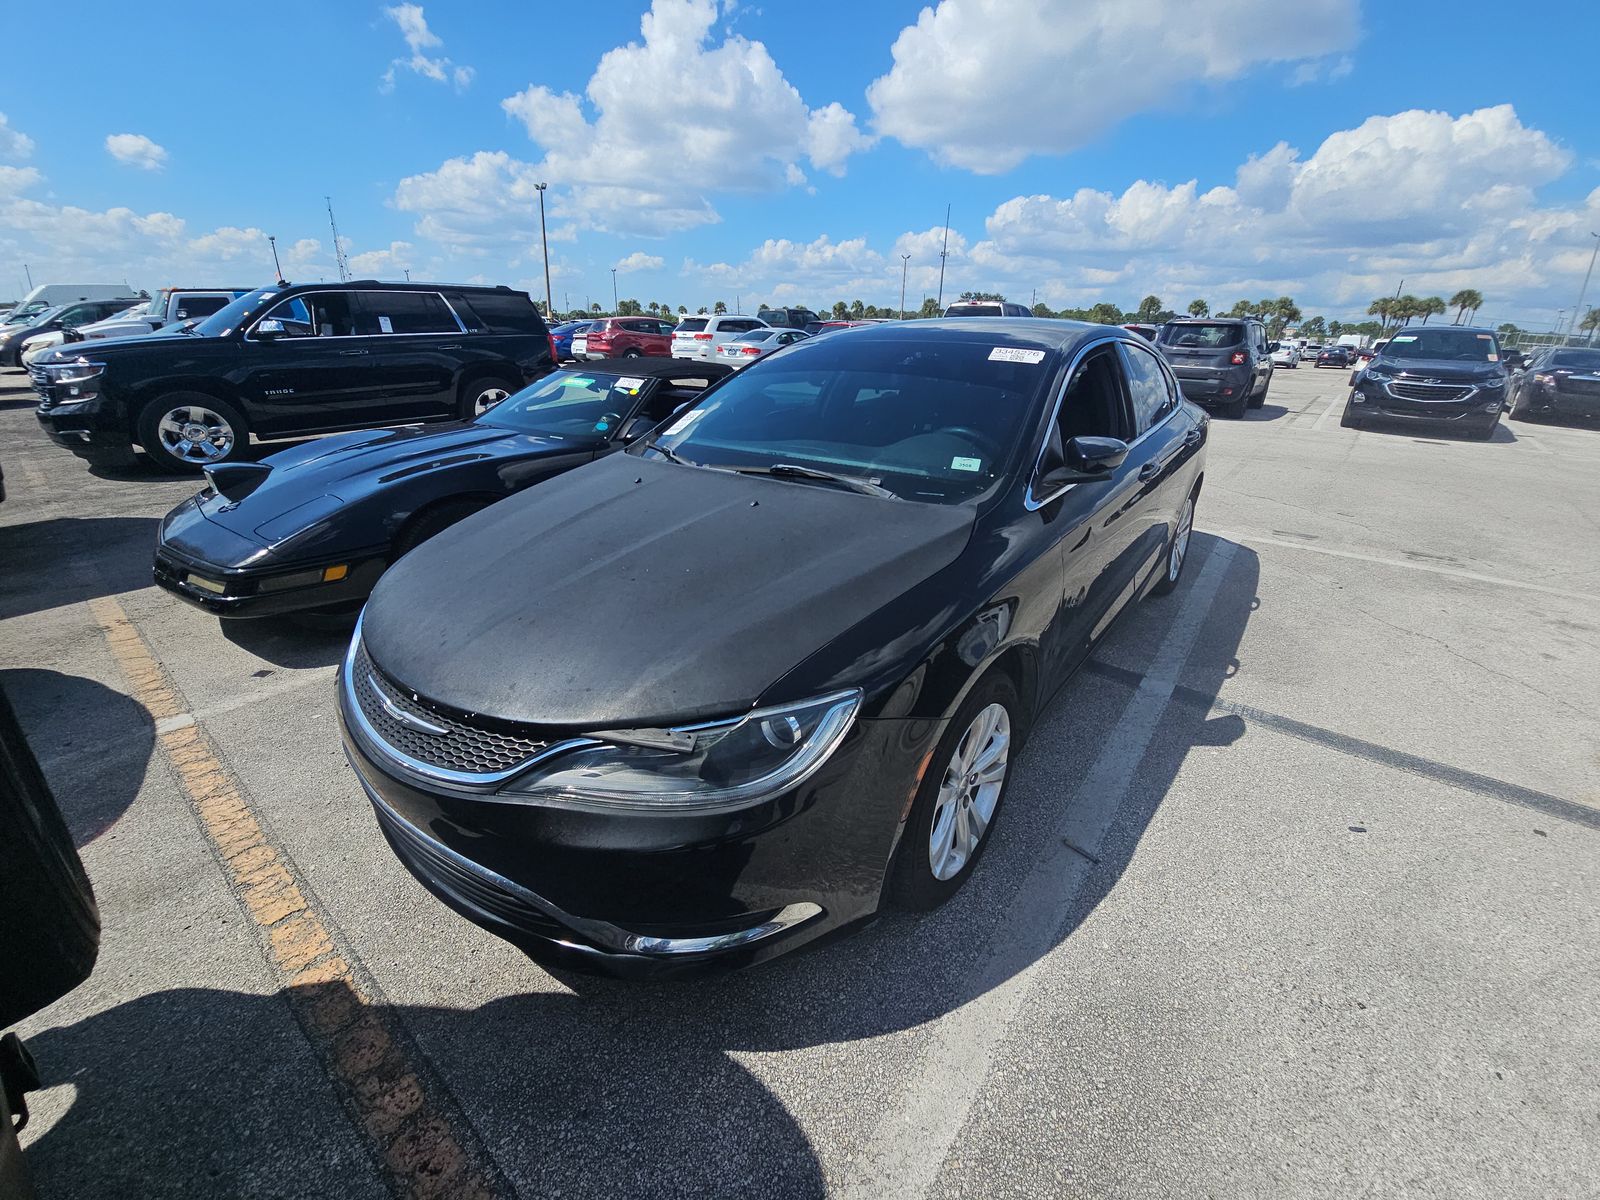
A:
(479, 395)
(632, 352)
(186, 431)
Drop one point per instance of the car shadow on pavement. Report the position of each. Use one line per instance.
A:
(92, 743)
(72, 559)
(710, 1087)
(292, 642)
(1267, 412)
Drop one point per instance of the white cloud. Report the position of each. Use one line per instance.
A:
(733, 123)
(14, 144)
(983, 84)
(1322, 70)
(419, 38)
(136, 150)
(640, 261)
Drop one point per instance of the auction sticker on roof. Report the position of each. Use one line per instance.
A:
(1011, 354)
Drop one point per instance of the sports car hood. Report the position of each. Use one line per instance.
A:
(318, 477)
(635, 592)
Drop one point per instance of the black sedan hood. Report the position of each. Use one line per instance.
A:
(636, 592)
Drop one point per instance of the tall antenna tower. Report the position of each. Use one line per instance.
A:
(338, 247)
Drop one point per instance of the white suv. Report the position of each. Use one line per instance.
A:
(703, 337)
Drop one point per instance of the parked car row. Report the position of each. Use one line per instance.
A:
(56, 320)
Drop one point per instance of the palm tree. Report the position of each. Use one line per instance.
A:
(1199, 308)
(1431, 306)
(1465, 301)
(1590, 323)
(1406, 309)
(1384, 309)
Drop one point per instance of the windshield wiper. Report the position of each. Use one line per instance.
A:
(671, 455)
(867, 487)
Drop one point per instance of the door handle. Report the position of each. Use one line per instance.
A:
(346, 353)
(1150, 470)
(457, 346)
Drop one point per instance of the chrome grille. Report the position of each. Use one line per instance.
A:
(462, 746)
(1437, 393)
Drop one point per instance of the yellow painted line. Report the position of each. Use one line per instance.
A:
(357, 1043)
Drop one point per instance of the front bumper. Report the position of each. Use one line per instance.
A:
(1460, 404)
(237, 593)
(651, 894)
(93, 428)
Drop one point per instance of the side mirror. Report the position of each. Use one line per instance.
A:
(636, 429)
(1087, 459)
(269, 329)
(183, 315)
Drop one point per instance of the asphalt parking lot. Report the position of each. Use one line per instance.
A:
(1294, 893)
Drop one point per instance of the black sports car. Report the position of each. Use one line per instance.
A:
(731, 690)
(312, 528)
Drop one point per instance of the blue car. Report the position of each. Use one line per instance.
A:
(561, 335)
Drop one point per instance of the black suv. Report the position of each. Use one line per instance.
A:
(1451, 377)
(289, 361)
(1224, 363)
(789, 318)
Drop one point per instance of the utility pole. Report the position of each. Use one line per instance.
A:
(545, 242)
(30, 276)
(338, 247)
(276, 265)
(1577, 313)
(905, 265)
(943, 252)
(615, 303)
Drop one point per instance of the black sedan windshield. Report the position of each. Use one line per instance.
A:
(569, 404)
(929, 421)
(1458, 345)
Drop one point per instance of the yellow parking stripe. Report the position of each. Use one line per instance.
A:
(420, 1151)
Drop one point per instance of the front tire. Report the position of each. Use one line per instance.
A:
(1349, 419)
(959, 798)
(187, 431)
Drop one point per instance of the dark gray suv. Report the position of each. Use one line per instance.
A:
(1223, 363)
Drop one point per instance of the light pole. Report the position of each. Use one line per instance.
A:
(276, 266)
(615, 304)
(905, 265)
(943, 252)
(1577, 313)
(545, 243)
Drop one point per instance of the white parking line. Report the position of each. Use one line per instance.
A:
(1326, 414)
(914, 1138)
(1257, 539)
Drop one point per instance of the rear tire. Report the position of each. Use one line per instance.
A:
(481, 393)
(187, 431)
(632, 353)
(945, 797)
(1235, 410)
(1177, 550)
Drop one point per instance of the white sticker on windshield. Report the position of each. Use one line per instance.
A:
(1011, 354)
(683, 422)
(966, 464)
(385, 325)
(630, 385)
(1409, 337)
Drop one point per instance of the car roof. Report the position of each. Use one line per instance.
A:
(1041, 333)
(655, 368)
(411, 286)
(1212, 320)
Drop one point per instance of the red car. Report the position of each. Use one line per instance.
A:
(629, 337)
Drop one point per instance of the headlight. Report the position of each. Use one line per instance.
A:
(1377, 375)
(75, 372)
(1541, 377)
(718, 765)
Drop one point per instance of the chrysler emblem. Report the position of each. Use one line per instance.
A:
(409, 720)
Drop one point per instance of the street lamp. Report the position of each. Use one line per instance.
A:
(1577, 313)
(615, 305)
(905, 263)
(545, 242)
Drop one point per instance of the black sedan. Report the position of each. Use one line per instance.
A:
(1336, 356)
(732, 690)
(312, 528)
(1558, 382)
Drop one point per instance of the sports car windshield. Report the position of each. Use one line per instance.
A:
(1457, 345)
(569, 404)
(933, 422)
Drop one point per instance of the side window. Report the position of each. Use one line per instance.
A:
(1147, 386)
(1092, 406)
(296, 316)
(382, 313)
(664, 329)
(190, 307)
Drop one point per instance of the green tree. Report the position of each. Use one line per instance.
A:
(1467, 300)
(596, 309)
(1042, 309)
(980, 296)
(1430, 306)
(1199, 308)
(857, 310)
(683, 310)
(1150, 309)
(629, 308)
(720, 307)
(1106, 314)
(701, 311)
(930, 308)
(1590, 322)
(1241, 308)
(1314, 327)
(841, 310)
(1335, 328)
(1384, 308)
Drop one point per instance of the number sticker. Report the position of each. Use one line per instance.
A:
(966, 464)
(1012, 354)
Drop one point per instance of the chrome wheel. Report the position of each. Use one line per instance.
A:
(1180, 542)
(487, 398)
(969, 792)
(192, 433)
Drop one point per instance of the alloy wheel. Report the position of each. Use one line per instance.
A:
(969, 792)
(1180, 541)
(488, 398)
(195, 434)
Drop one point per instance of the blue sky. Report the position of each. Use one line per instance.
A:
(1089, 149)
